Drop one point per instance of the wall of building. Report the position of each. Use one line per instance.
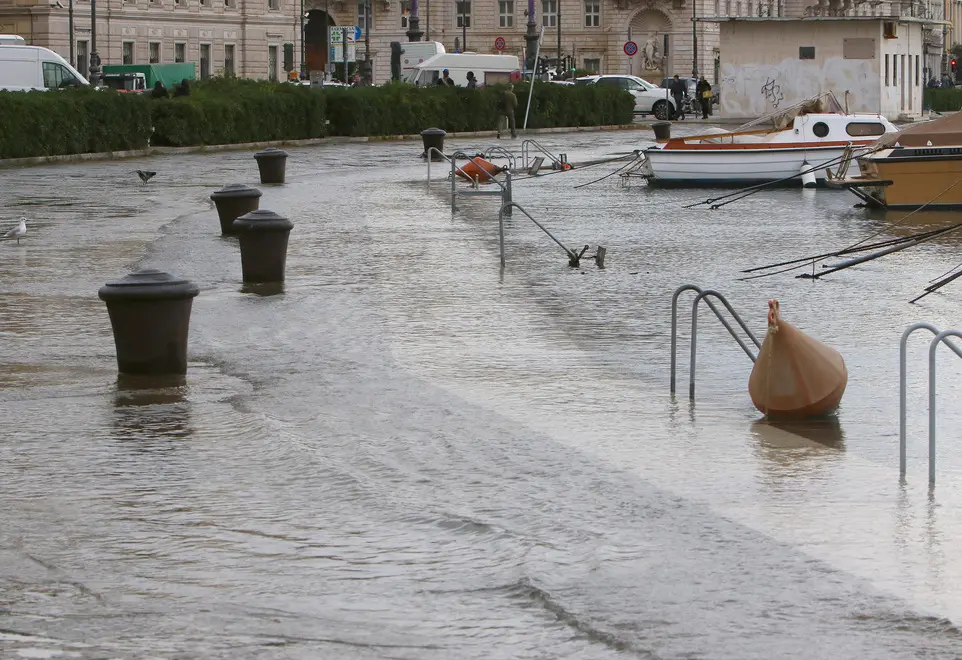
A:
(762, 71)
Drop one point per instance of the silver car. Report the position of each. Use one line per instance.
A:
(649, 99)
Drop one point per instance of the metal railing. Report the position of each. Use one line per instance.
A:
(526, 153)
(704, 294)
(574, 258)
(941, 336)
(501, 151)
(504, 188)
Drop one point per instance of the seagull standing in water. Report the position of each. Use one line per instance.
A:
(145, 176)
(18, 231)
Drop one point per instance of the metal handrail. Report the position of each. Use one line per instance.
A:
(525, 145)
(497, 149)
(573, 257)
(703, 295)
(505, 191)
(694, 333)
(940, 337)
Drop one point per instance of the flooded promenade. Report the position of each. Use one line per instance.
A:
(410, 453)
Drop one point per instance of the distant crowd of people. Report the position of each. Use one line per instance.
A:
(160, 92)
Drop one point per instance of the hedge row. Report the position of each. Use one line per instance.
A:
(942, 99)
(233, 111)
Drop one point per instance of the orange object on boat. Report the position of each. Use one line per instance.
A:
(795, 376)
(478, 169)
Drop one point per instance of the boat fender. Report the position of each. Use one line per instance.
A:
(808, 176)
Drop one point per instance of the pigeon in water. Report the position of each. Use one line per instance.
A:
(145, 176)
(18, 231)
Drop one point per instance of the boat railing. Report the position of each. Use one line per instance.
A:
(504, 189)
(574, 258)
(941, 337)
(705, 294)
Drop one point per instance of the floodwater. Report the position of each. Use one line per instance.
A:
(410, 453)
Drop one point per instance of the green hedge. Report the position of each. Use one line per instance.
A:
(942, 99)
(71, 122)
(230, 111)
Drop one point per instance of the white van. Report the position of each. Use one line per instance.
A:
(488, 69)
(12, 40)
(414, 53)
(23, 68)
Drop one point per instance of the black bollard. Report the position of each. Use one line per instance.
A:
(234, 201)
(662, 130)
(263, 244)
(433, 137)
(272, 164)
(150, 315)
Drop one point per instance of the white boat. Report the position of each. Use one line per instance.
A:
(778, 148)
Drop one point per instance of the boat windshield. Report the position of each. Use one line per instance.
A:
(781, 119)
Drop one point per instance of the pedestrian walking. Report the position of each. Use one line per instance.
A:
(703, 91)
(183, 89)
(472, 81)
(159, 91)
(508, 103)
(679, 91)
(445, 79)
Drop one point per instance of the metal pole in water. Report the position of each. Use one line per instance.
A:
(454, 191)
(537, 53)
(506, 192)
(501, 233)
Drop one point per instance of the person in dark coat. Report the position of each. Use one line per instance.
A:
(183, 89)
(679, 90)
(445, 79)
(472, 81)
(506, 106)
(159, 91)
(703, 90)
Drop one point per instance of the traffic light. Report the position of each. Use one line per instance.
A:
(953, 65)
(288, 57)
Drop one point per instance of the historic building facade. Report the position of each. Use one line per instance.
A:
(246, 37)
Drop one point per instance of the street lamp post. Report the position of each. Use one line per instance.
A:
(73, 62)
(366, 68)
(694, 40)
(464, 26)
(303, 45)
(531, 40)
(558, 68)
(94, 56)
(414, 32)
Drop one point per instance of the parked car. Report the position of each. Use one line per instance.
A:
(648, 98)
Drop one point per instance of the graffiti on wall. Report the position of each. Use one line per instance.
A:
(754, 90)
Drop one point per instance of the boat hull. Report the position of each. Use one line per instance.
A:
(738, 167)
(932, 182)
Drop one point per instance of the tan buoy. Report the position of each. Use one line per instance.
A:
(795, 376)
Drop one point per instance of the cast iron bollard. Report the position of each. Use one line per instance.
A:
(272, 164)
(433, 137)
(150, 315)
(234, 201)
(662, 130)
(263, 244)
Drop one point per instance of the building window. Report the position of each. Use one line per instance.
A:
(230, 4)
(592, 64)
(83, 59)
(229, 60)
(180, 52)
(205, 3)
(886, 70)
(506, 13)
(806, 52)
(592, 13)
(362, 14)
(895, 70)
(127, 56)
(918, 81)
(204, 61)
(463, 9)
(549, 13)
(154, 52)
(405, 13)
(272, 63)
(750, 8)
(274, 4)
(728, 7)
(738, 9)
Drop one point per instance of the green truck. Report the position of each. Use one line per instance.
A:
(168, 74)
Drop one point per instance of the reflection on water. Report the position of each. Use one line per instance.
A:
(263, 289)
(149, 408)
(826, 431)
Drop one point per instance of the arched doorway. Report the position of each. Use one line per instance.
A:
(315, 39)
(651, 30)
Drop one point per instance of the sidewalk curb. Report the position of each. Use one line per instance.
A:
(214, 148)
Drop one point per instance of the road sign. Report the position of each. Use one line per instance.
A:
(337, 53)
(499, 43)
(337, 34)
(630, 48)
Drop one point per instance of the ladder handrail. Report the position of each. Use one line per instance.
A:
(455, 166)
(505, 210)
(903, 342)
(524, 152)
(939, 339)
(498, 149)
(711, 305)
(694, 333)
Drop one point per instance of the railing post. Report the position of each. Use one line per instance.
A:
(454, 190)
(506, 193)
(674, 326)
(939, 338)
(694, 331)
